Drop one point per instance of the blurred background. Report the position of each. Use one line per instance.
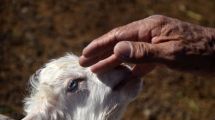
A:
(35, 31)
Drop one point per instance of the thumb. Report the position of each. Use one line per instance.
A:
(136, 52)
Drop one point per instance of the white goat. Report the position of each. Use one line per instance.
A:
(63, 90)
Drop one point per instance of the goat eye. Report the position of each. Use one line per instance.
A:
(73, 86)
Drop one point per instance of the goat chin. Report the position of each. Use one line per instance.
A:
(51, 96)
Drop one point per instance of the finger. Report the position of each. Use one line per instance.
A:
(141, 30)
(141, 52)
(106, 42)
(160, 39)
(134, 52)
(106, 64)
(88, 61)
(138, 52)
(101, 45)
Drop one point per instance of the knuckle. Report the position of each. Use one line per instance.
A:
(142, 50)
(134, 23)
(176, 50)
(119, 32)
(116, 32)
(95, 42)
(158, 19)
(178, 47)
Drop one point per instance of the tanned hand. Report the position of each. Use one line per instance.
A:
(152, 41)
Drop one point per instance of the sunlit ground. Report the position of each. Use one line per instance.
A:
(32, 32)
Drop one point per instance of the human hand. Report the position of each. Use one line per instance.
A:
(153, 40)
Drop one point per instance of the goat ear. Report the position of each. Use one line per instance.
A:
(32, 117)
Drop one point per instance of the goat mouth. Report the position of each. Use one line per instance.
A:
(127, 71)
(120, 85)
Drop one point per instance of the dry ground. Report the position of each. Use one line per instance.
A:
(34, 31)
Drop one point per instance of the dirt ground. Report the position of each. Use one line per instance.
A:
(35, 31)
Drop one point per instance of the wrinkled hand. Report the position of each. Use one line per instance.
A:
(153, 40)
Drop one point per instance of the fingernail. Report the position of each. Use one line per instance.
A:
(123, 49)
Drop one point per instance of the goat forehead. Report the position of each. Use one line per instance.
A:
(61, 67)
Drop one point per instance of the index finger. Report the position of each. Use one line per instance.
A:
(107, 42)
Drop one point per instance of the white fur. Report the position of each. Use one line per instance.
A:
(94, 100)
